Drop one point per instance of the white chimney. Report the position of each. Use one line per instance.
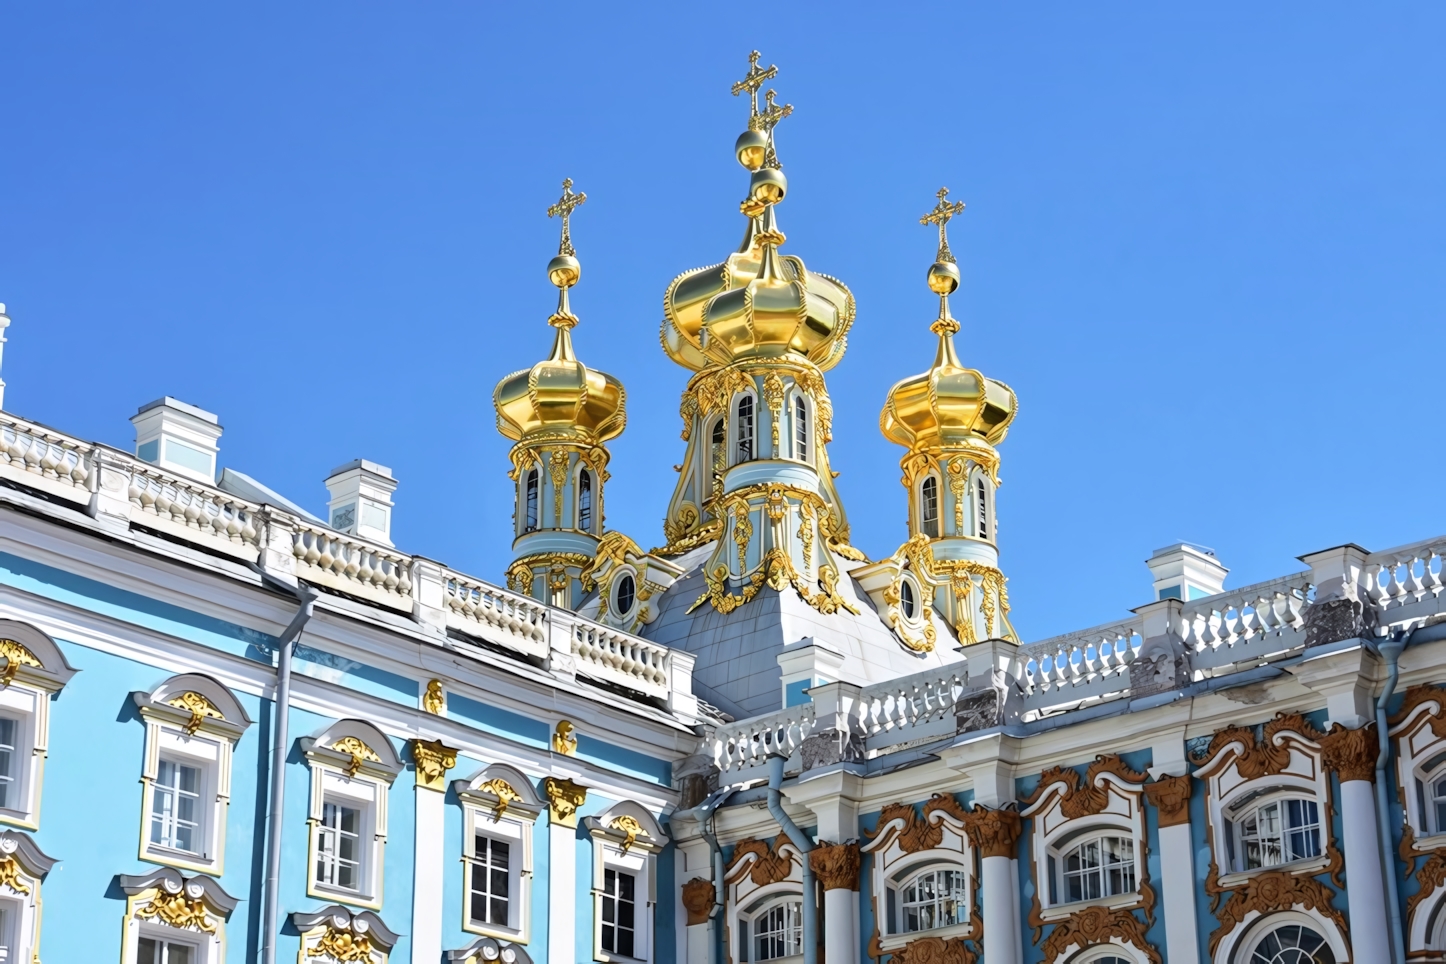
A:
(1185, 572)
(180, 438)
(361, 500)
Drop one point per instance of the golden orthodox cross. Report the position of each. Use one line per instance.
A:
(768, 119)
(564, 207)
(753, 83)
(941, 215)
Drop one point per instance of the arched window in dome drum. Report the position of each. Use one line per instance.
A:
(929, 506)
(718, 457)
(800, 428)
(906, 598)
(983, 509)
(531, 502)
(584, 500)
(745, 428)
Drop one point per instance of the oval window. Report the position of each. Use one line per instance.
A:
(906, 598)
(626, 593)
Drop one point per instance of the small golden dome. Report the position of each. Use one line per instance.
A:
(560, 398)
(948, 406)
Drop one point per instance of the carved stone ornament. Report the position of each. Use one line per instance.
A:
(829, 746)
(934, 950)
(631, 828)
(344, 936)
(342, 946)
(1351, 753)
(16, 656)
(1171, 797)
(1430, 876)
(915, 833)
(200, 708)
(1087, 797)
(563, 800)
(563, 739)
(433, 701)
(1097, 925)
(1271, 891)
(836, 865)
(978, 711)
(771, 865)
(699, 896)
(1265, 757)
(433, 760)
(1421, 694)
(179, 910)
(358, 751)
(1343, 617)
(995, 833)
(10, 876)
(504, 793)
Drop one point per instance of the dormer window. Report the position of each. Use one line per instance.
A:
(1096, 868)
(584, 500)
(929, 506)
(800, 429)
(530, 524)
(745, 428)
(1276, 831)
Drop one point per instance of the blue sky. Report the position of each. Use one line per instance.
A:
(1203, 244)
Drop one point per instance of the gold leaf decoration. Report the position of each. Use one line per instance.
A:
(360, 753)
(198, 706)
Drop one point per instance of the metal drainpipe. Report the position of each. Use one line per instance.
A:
(272, 884)
(716, 853)
(801, 841)
(1391, 649)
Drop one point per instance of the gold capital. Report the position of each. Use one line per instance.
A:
(433, 760)
(563, 800)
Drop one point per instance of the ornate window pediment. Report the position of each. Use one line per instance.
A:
(1419, 729)
(489, 950)
(192, 725)
(762, 880)
(353, 765)
(336, 935)
(923, 874)
(1090, 855)
(23, 867)
(167, 910)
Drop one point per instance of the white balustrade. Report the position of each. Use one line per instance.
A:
(1247, 624)
(910, 701)
(193, 512)
(1399, 578)
(495, 614)
(36, 457)
(1074, 660)
(749, 743)
(615, 657)
(353, 566)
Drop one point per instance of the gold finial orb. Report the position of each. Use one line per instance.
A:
(943, 277)
(564, 271)
(768, 185)
(751, 149)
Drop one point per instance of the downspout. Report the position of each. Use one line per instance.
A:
(801, 841)
(715, 951)
(1391, 648)
(272, 885)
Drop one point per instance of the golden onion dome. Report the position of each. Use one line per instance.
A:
(560, 398)
(758, 303)
(948, 406)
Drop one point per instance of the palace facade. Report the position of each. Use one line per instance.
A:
(232, 730)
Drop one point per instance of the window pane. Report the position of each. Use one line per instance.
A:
(178, 954)
(147, 952)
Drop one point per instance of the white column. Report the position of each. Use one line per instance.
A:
(432, 760)
(1171, 797)
(427, 873)
(841, 926)
(1001, 928)
(564, 798)
(1365, 893)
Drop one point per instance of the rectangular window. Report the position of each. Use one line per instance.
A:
(152, 950)
(491, 881)
(9, 733)
(175, 807)
(338, 847)
(619, 912)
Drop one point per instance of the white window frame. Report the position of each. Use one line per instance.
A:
(517, 833)
(363, 783)
(204, 740)
(530, 477)
(1059, 855)
(894, 867)
(22, 900)
(1280, 799)
(199, 947)
(978, 480)
(909, 875)
(29, 707)
(797, 399)
(735, 437)
(614, 849)
(938, 506)
(592, 475)
(748, 943)
(1241, 944)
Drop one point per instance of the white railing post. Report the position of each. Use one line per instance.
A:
(681, 701)
(561, 627)
(1163, 662)
(429, 603)
(278, 537)
(1341, 609)
(109, 503)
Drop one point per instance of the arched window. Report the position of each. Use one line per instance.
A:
(531, 502)
(800, 428)
(906, 598)
(584, 500)
(1096, 868)
(1437, 802)
(983, 508)
(745, 428)
(776, 932)
(718, 458)
(935, 898)
(1291, 944)
(929, 506)
(1278, 831)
